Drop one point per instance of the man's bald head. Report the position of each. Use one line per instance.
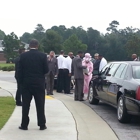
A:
(134, 56)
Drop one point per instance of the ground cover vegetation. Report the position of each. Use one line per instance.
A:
(7, 105)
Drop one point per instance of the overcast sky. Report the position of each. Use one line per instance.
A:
(21, 16)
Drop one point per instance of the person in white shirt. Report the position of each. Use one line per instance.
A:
(103, 62)
(60, 77)
(67, 72)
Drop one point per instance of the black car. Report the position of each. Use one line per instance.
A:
(118, 84)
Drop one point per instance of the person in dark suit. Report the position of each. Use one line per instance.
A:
(77, 71)
(96, 64)
(53, 70)
(18, 92)
(31, 75)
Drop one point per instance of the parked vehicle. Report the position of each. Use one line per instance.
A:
(118, 84)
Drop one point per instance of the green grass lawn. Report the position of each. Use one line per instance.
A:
(6, 64)
(7, 105)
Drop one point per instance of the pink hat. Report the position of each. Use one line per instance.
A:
(87, 57)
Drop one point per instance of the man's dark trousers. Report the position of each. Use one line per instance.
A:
(67, 81)
(60, 80)
(18, 93)
(79, 83)
(38, 92)
(50, 82)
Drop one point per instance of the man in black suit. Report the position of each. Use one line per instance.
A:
(96, 64)
(18, 93)
(31, 72)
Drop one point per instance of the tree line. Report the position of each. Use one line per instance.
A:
(115, 45)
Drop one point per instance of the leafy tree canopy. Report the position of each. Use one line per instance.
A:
(11, 44)
(74, 44)
(52, 41)
(2, 34)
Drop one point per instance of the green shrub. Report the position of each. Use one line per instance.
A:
(4, 68)
(8, 68)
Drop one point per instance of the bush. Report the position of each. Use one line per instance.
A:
(8, 68)
(4, 68)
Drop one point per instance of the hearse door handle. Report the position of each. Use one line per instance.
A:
(119, 85)
(108, 82)
(116, 84)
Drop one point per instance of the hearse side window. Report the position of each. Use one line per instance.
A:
(120, 70)
(112, 69)
(105, 69)
(136, 72)
(123, 73)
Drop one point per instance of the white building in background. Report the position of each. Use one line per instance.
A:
(2, 58)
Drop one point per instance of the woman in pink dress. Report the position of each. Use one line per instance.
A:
(87, 75)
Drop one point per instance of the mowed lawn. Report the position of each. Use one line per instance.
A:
(7, 105)
(6, 64)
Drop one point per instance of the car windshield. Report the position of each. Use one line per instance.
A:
(136, 72)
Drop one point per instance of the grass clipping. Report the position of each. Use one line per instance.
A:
(7, 105)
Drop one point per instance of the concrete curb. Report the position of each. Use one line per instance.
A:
(5, 93)
(89, 125)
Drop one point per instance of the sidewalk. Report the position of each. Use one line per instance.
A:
(66, 120)
(4, 93)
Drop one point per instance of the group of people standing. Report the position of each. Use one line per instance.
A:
(59, 67)
(33, 67)
(83, 69)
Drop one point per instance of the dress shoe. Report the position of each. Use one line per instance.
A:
(81, 100)
(19, 104)
(69, 93)
(51, 94)
(23, 128)
(43, 127)
(75, 99)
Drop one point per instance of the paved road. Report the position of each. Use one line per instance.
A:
(129, 131)
(7, 76)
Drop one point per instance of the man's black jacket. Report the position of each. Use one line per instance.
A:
(32, 67)
(16, 67)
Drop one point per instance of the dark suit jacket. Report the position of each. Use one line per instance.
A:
(77, 68)
(32, 68)
(97, 64)
(16, 67)
(53, 66)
